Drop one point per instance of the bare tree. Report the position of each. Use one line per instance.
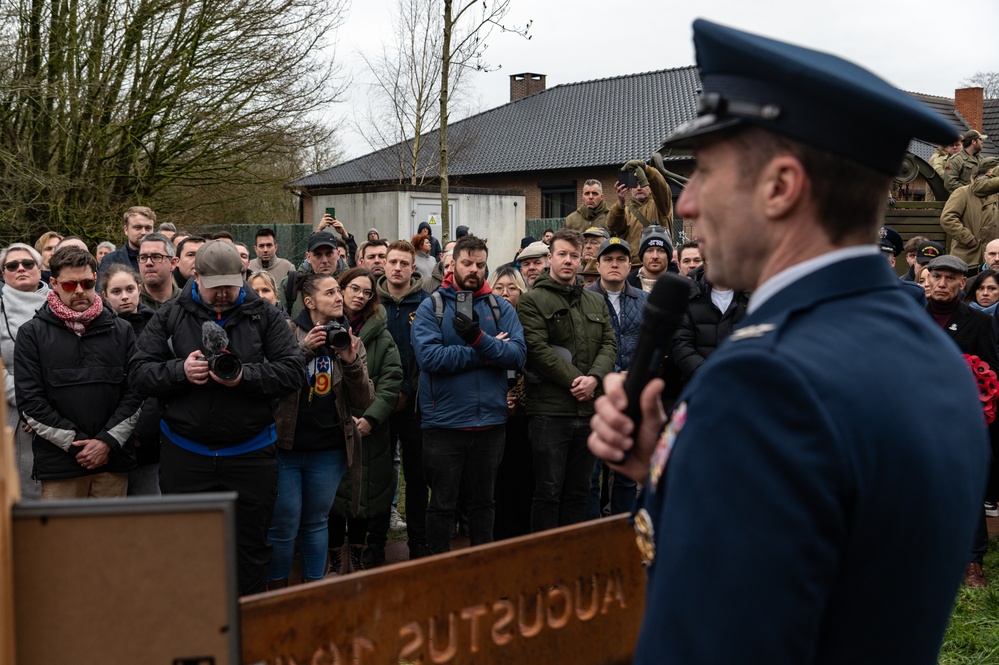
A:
(465, 33)
(108, 103)
(988, 81)
(405, 90)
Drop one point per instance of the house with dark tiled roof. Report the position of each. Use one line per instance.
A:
(546, 142)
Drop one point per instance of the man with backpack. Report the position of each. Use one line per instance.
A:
(463, 358)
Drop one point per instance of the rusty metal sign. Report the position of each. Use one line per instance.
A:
(570, 595)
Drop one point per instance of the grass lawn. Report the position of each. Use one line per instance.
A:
(973, 634)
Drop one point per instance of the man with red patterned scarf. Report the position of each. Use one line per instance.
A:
(72, 386)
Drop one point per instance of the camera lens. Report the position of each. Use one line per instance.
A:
(226, 366)
(338, 338)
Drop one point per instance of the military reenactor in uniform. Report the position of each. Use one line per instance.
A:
(969, 216)
(770, 517)
(593, 212)
(962, 166)
(637, 208)
(938, 160)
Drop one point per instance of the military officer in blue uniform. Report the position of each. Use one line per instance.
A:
(788, 518)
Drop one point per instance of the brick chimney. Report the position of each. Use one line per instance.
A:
(522, 85)
(968, 102)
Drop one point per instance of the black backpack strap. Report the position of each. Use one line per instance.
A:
(289, 288)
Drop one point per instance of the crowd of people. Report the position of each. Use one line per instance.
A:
(176, 363)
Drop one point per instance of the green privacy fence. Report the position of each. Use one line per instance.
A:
(292, 239)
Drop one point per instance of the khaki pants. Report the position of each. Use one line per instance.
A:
(96, 485)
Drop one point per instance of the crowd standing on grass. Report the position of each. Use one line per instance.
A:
(480, 383)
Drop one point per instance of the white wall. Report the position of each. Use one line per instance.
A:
(500, 218)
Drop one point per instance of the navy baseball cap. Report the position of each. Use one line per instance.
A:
(816, 98)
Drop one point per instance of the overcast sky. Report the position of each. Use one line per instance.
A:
(918, 45)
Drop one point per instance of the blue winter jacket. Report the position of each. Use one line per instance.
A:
(627, 324)
(463, 386)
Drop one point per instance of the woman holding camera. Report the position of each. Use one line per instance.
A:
(317, 438)
(361, 510)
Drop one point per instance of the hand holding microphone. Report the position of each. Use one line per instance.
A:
(629, 416)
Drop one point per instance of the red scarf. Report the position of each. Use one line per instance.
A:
(76, 322)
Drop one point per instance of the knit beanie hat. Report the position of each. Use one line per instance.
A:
(655, 236)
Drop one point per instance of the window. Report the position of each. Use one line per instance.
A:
(558, 199)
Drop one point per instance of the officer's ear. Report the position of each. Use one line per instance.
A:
(782, 184)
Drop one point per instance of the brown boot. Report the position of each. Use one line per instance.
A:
(356, 558)
(974, 576)
(336, 561)
(277, 584)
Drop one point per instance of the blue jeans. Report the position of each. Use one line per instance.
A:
(465, 459)
(562, 468)
(623, 491)
(307, 482)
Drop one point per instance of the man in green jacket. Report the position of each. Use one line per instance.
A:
(593, 212)
(969, 216)
(961, 167)
(570, 347)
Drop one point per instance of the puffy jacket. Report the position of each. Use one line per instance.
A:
(704, 327)
(212, 414)
(568, 316)
(632, 304)
(399, 315)
(462, 386)
(71, 388)
(385, 370)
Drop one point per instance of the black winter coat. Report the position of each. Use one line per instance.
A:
(704, 327)
(73, 387)
(212, 414)
(146, 435)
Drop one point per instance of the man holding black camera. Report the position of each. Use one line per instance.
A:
(218, 430)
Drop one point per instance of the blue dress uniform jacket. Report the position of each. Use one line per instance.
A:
(808, 506)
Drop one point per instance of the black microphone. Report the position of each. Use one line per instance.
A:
(664, 311)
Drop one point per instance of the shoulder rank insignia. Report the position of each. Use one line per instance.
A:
(749, 332)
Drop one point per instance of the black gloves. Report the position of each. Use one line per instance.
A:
(467, 329)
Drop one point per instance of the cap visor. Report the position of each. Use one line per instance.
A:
(214, 281)
(700, 126)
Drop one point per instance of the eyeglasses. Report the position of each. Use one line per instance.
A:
(367, 293)
(27, 264)
(70, 284)
(155, 258)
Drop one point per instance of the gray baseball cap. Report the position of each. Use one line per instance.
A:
(218, 264)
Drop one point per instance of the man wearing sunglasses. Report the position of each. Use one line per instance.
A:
(70, 378)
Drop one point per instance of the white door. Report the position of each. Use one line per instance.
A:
(429, 211)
